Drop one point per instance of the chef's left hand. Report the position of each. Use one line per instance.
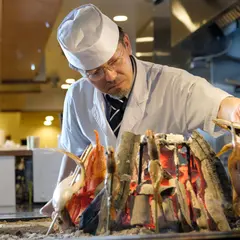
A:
(230, 109)
(235, 116)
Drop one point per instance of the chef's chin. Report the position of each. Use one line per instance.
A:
(119, 93)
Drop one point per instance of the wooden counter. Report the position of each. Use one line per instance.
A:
(15, 152)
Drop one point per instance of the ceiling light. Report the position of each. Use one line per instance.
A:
(47, 123)
(65, 86)
(145, 39)
(150, 54)
(33, 67)
(163, 54)
(70, 80)
(47, 24)
(49, 118)
(120, 18)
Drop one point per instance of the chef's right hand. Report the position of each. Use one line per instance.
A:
(63, 220)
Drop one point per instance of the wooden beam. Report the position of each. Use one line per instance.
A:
(24, 81)
(10, 88)
(1, 30)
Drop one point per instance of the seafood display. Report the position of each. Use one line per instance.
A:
(160, 181)
(74, 193)
(214, 186)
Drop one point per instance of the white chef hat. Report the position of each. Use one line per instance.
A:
(87, 37)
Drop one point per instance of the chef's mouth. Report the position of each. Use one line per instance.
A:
(115, 85)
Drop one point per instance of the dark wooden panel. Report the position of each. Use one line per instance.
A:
(1, 16)
(24, 32)
(15, 152)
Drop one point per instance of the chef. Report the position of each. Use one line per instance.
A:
(118, 92)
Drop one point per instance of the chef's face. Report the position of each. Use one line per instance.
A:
(116, 76)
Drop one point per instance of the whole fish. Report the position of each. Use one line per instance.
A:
(156, 174)
(216, 188)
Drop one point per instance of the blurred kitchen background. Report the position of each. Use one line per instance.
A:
(201, 36)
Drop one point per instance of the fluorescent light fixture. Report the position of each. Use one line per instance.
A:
(120, 18)
(70, 80)
(150, 54)
(145, 39)
(182, 15)
(65, 86)
(162, 54)
(144, 54)
(33, 67)
(47, 123)
(49, 118)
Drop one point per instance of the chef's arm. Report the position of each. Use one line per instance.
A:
(229, 109)
(67, 166)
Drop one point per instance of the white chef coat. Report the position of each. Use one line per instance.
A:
(163, 98)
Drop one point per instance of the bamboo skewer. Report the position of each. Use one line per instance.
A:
(52, 224)
(111, 168)
(78, 167)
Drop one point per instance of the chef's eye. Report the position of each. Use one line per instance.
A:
(93, 73)
(97, 72)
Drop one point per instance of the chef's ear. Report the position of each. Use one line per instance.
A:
(127, 44)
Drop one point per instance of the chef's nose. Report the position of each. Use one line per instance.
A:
(110, 74)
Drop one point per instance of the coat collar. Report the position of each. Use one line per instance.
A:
(99, 113)
(135, 108)
(137, 101)
(140, 88)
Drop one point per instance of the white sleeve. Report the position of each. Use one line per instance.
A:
(202, 103)
(72, 138)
